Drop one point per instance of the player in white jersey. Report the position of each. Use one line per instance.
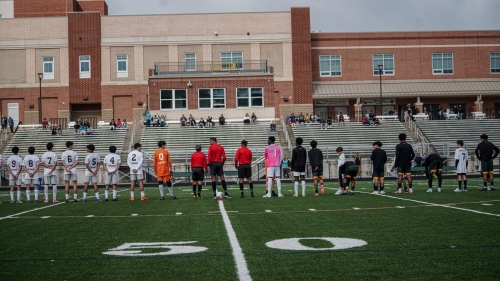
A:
(134, 161)
(112, 163)
(69, 159)
(92, 164)
(14, 167)
(31, 165)
(461, 163)
(49, 163)
(340, 152)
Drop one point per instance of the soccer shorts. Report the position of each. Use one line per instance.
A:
(351, 172)
(216, 169)
(70, 177)
(111, 179)
(245, 171)
(90, 179)
(404, 170)
(31, 182)
(138, 177)
(436, 167)
(52, 179)
(273, 172)
(15, 182)
(298, 174)
(163, 178)
(378, 175)
(317, 174)
(198, 174)
(487, 167)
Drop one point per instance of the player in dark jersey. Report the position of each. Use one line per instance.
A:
(298, 165)
(404, 155)
(486, 152)
(350, 170)
(379, 158)
(433, 165)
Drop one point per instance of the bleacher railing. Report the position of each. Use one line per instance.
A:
(131, 143)
(287, 136)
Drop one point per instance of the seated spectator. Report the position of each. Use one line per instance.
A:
(313, 118)
(202, 123)
(254, 118)
(293, 121)
(183, 120)
(301, 118)
(86, 123)
(391, 112)
(59, 130)
(222, 120)
(163, 119)
(210, 123)
(112, 124)
(318, 118)
(395, 112)
(272, 127)
(293, 117)
(77, 128)
(79, 121)
(386, 113)
(90, 131)
(246, 119)
(418, 160)
(45, 124)
(124, 123)
(371, 115)
(376, 122)
(156, 121)
(83, 130)
(54, 131)
(322, 125)
(341, 118)
(329, 121)
(119, 124)
(307, 118)
(474, 108)
(191, 120)
(365, 121)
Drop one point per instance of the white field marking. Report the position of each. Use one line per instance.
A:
(437, 205)
(400, 207)
(45, 217)
(363, 188)
(134, 215)
(178, 214)
(294, 244)
(485, 204)
(312, 210)
(239, 257)
(269, 211)
(89, 216)
(355, 208)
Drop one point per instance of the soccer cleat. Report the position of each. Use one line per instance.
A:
(242, 195)
(303, 195)
(411, 190)
(131, 199)
(382, 192)
(252, 195)
(281, 195)
(399, 191)
(492, 188)
(215, 197)
(322, 189)
(84, 200)
(163, 198)
(226, 195)
(11, 201)
(98, 200)
(19, 202)
(173, 198)
(265, 195)
(36, 201)
(375, 192)
(273, 194)
(144, 198)
(483, 189)
(429, 190)
(115, 199)
(106, 199)
(465, 189)
(75, 200)
(439, 189)
(295, 195)
(458, 190)
(316, 194)
(67, 201)
(28, 201)
(339, 192)
(194, 197)
(351, 193)
(199, 197)
(46, 201)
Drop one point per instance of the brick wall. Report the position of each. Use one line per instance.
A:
(84, 38)
(123, 108)
(301, 56)
(43, 8)
(93, 6)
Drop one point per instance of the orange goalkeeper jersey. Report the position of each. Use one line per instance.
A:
(162, 163)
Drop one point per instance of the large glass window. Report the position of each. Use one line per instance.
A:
(387, 62)
(190, 59)
(495, 62)
(232, 60)
(249, 97)
(442, 63)
(173, 99)
(121, 65)
(84, 66)
(48, 67)
(330, 65)
(212, 98)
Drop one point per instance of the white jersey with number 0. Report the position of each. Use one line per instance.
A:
(69, 157)
(92, 159)
(112, 160)
(462, 156)
(134, 161)
(31, 162)
(49, 158)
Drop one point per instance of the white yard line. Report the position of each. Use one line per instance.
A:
(437, 205)
(239, 257)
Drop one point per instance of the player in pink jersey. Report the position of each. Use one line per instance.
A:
(272, 154)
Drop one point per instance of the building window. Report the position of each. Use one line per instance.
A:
(387, 62)
(330, 65)
(48, 67)
(232, 60)
(190, 59)
(250, 97)
(84, 66)
(442, 63)
(212, 98)
(121, 65)
(495, 62)
(173, 99)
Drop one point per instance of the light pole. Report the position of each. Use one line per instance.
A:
(40, 77)
(380, 67)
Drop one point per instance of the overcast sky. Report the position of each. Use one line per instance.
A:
(342, 15)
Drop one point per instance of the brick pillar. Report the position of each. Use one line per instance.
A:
(420, 106)
(479, 105)
(301, 56)
(358, 112)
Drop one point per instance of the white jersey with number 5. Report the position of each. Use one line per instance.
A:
(49, 158)
(69, 157)
(134, 161)
(92, 160)
(462, 156)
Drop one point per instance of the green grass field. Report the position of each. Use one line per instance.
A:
(437, 236)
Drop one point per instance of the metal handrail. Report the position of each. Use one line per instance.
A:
(131, 143)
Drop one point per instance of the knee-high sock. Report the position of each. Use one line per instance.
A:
(54, 192)
(278, 183)
(296, 187)
(440, 180)
(114, 193)
(106, 194)
(170, 188)
(459, 184)
(431, 179)
(251, 186)
(194, 189)
(214, 187)
(12, 196)
(224, 185)
(241, 187)
(465, 183)
(46, 191)
(36, 193)
(28, 195)
(199, 189)
(19, 195)
(303, 187)
(269, 184)
(160, 187)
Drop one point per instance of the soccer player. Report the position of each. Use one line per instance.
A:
(112, 163)
(298, 165)
(216, 160)
(404, 155)
(15, 167)
(394, 173)
(69, 159)
(379, 158)
(461, 163)
(198, 167)
(49, 163)
(243, 163)
(31, 166)
(134, 161)
(163, 169)
(316, 160)
(272, 155)
(486, 152)
(433, 165)
(340, 152)
(350, 170)
(92, 165)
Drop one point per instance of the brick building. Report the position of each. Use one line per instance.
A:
(102, 67)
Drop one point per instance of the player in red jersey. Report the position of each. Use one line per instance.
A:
(243, 163)
(198, 167)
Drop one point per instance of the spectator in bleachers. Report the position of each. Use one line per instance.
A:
(156, 121)
(386, 112)
(272, 127)
(4, 123)
(341, 119)
(124, 123)
(391, 112)
(77, 128)
(474, 108)
(210, 122)
(460, 112)
(365, 121)
(163, 119)
(322, 125)
(183, 120)
(301, 118)
(86, 123)
(119, 123)
(54, 131)
(191, 120)
(79, 121)
(112, 124)
(59, 130)
(424, 157)
(371, 115)
(376, 122)
(90, 131)
(222, 120)
(293, 122)
(417, 161)
(313, 118)
(318, 118)
(293, 117)
(329, 121)
(246, 119)
(254, 118)
(148, 119)
(307, 118)
(83, 130)
(45, 124)
(201, 123)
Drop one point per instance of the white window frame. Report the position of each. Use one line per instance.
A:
(330, 59)
(48, 61)
(388, 72)
(174, 99)
(494, 55)
(249, 98)
(225, 59)
(192, 61)
(121, 58)
(441, 71)
(84, 59)
(211, 98)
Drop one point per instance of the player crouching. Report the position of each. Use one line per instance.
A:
(350, 170)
